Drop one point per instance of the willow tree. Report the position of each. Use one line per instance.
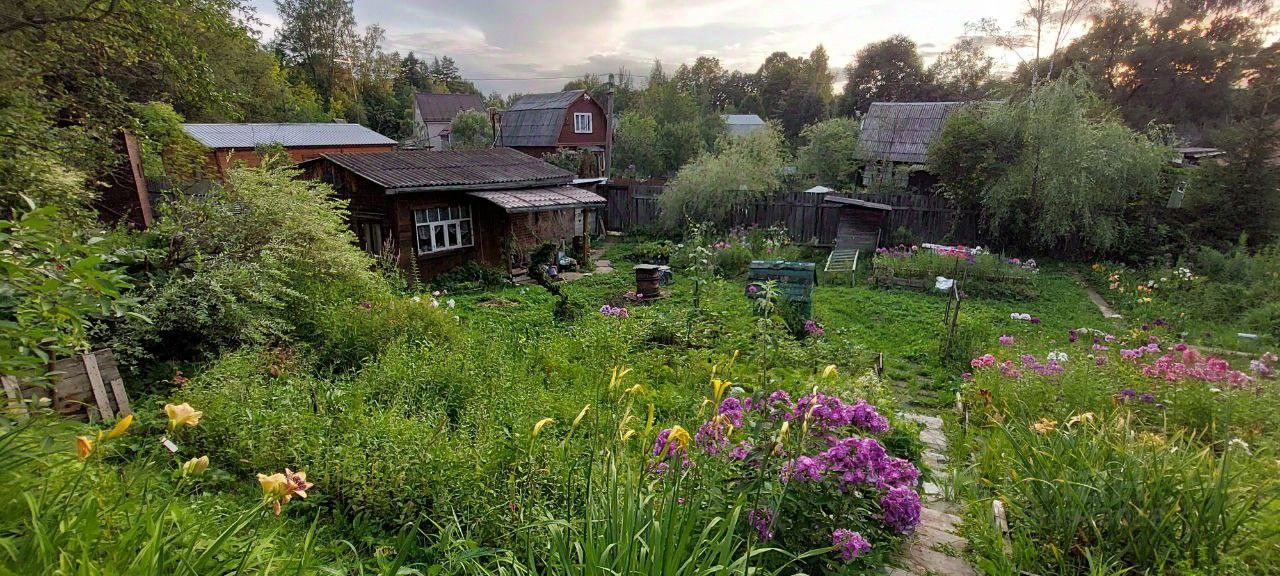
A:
(710, 188)
(1057, 169)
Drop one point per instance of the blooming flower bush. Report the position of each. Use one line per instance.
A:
(812, 459)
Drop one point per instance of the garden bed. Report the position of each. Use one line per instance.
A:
(976, 270)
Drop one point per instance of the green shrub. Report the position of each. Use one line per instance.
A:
(242, 264)
(470, 276)
(346, 334)
(733, 262)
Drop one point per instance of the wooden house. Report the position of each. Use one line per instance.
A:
(538, 124)
(434, 113)
(894, 143)
(231, 143)
(437, 210)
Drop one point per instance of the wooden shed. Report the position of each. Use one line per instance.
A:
(437, 210)
(861, 223)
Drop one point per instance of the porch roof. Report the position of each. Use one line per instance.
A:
(540, 199)
(847, 201)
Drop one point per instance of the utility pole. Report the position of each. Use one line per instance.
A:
(608, 129)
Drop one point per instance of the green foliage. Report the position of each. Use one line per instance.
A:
(53, 284)
(733, 262)
(470, 130)
(245, 263)
(829, 155)
(635, 151)
(345, 334)
(470, 276)
(1056, 170)
(571, 159)
(886, 71)
(710, 188)
(118, 513)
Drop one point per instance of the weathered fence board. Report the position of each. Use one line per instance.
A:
(633, 207)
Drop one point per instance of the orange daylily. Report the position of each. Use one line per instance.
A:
(121, 427)
(84, 447)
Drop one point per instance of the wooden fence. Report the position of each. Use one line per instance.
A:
(635, 207)
(85, 386)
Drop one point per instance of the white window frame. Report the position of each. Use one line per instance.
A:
(582, 123)
(444, 227)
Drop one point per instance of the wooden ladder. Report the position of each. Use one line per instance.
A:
(844, 260)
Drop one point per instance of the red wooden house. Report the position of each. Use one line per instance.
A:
(438, 210)
(538, 124)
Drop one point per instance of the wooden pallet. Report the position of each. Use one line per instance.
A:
(843, 260)
(87, 386)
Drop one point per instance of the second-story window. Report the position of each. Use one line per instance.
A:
(582, 122)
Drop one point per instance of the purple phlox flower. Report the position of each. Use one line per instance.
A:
(665, 449)
(1147, 397)
(1006, 340)
(741, 451)
(1035, 319)
(849, 544)
(1072, 336)
(1260, 368)
(802, 468)
(813, 329)
(762, 520)
(901, 509)
(1160, 322)
(966, 376)
(1100, 361)
(1146, 327)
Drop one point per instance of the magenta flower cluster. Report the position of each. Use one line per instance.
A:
(813, 329)
(1191, 365)
(667, 450)
(849, 544)
(614, 311)
(1006, 340)
(1140, 351)
(901, 509)
(853, 462)
(1049, 368)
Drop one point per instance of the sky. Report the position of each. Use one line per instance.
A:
(537, 45)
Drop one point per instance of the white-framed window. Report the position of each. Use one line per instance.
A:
(443, 228)
(582, 122)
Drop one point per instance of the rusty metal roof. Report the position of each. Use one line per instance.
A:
(426, 170)
(444, 107)
(540, 199)
(902, 131)
(286, 134)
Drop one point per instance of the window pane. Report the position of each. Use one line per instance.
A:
(465, 227)
(455, 212)
(438, 232)
(453, 234)
(466, 211)
(424, 232)
(419, 216)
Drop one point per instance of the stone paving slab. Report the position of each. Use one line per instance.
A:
(928, 552)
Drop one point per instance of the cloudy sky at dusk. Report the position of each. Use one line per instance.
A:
(531, 45)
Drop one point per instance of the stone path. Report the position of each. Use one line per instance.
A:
(935, 547)
(1103, 307)
(604, 266)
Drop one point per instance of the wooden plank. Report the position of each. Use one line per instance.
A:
(122, 399)
(99, 390)
(14, 395)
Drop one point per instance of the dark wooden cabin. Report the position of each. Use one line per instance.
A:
(439, 210)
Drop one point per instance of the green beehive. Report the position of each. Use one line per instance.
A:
(795, 281)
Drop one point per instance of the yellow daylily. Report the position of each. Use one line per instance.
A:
(121, 427)
(581, 415)
(539, 425)
(679, 436)
(195, 466)
(782, 432)
(648, 421)
(1045, 426)
(829, 371)
(718, 387)
(635, 389)
(616, 378)
(1086, 417)
(274, 489)
(84, 447)
(180, 414)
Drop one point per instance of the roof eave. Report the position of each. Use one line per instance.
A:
(513, 185)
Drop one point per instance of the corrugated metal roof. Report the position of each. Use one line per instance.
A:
(739, 124)
(495, 168)
(444, 107)
(539, 199)
(298, 134)
(536, 119)
(902, 131)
